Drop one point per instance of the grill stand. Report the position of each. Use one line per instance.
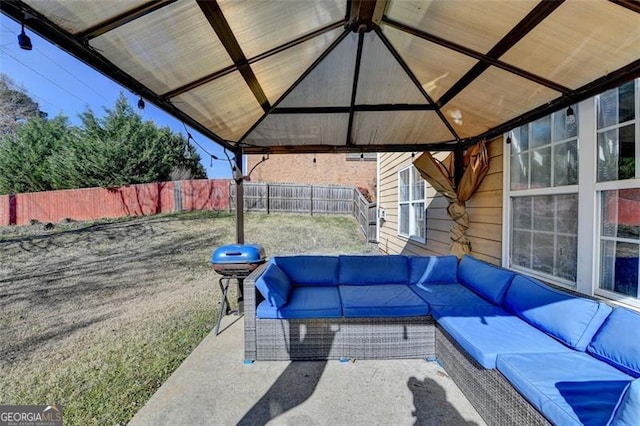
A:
(224, 283)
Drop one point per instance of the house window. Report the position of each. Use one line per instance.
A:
(411, 204)
(543, 195)
(572, 196)
(618, 191)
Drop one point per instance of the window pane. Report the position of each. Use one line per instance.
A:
(616, 154)
(543, 253)
(521, 249)
(521, 210)
(565, 164)
(404, 219)
(543, 213)
(567, 214)
(616, 105)
(541, 132)
(621, 214)
(626, 108)
(607, 108)
(419, 217)
(519, 168)
(519, 139)
(541, 168)
(563, 130)
(403, 184)
(619, 267)
(567, 257)
(417, 188)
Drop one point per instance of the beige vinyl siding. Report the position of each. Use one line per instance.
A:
(484, 208)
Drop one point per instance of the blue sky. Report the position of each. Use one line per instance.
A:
(63, 85)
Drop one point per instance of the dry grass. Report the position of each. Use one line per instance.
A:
(95, 316)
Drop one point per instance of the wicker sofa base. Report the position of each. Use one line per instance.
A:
(489, 392)
(355, 338)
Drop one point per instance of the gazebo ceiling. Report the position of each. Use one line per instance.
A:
(340, 75)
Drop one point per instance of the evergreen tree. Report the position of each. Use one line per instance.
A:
(117, 149)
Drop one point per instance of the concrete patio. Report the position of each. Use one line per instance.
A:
(214, 387)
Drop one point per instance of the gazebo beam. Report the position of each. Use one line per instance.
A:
(219, 23)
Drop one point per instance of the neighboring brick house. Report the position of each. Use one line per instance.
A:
(335, 169)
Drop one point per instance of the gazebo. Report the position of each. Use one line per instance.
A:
(359, 76)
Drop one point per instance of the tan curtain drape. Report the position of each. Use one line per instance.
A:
(440, 176)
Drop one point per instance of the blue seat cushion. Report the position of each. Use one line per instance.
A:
(366, 270)
(569, 388)
(305, 302)
(488, 280)
(484, 331)
(442, 296)
(572, 320)
(310, 270)
(274, 285)
(433, 269)
(618, 341)
(381, 300)
(627, 411)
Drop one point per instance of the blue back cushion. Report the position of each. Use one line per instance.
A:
(365, 270)
(618, 341)
(433, 269)
(489, 281)
(274, 285)
(570, 319)
(310, 270)
(627, 411)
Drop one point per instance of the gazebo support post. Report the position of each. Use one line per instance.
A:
(239, 178)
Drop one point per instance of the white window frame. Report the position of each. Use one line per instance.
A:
(599, 188)
(411, 203)
(589, 204)
(509, 194)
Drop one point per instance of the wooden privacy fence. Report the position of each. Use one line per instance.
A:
(98, 203)
(309, 199)
(187, 195)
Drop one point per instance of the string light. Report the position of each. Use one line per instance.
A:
(23, 40)
(571, 117)
(140, 103)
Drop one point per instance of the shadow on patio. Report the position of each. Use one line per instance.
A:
(214, 387)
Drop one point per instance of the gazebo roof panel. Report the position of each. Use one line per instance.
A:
(278, 72)
(77, 16)
(399, 127)
(382, 80)
(165, 60)
(300, 129)
(436, 77)
(574, 49)
(494, 97)
(329, 84)
(229, 120)
(260, 25)
(478, 25)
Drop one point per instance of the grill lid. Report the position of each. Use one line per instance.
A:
(238, 254)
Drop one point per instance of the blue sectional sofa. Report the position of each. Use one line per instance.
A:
(521, 351)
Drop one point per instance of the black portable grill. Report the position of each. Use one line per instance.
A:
(234, 261)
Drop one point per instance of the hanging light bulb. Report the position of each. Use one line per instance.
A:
(314, 159)
(571, 117)
(187, 152)
(23, 40)
(140, 103)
